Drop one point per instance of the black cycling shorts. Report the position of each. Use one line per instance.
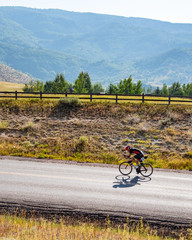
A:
(138, 156)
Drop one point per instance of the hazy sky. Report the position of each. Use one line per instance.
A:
(179, 11)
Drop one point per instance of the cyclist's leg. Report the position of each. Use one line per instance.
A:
(136, 159)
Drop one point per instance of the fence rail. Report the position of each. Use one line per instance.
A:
(100, 96)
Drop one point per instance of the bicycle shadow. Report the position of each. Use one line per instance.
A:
(127, 181)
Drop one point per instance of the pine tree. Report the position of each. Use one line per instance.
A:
(88, 85)
(59, 85)
(138, 88)
(157, 91)
(112, 89)
(97, 88)
(164, 90)
(176, 89)
(80, 84)
(125, 86)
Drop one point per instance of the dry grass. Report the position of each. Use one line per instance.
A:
(13, 227)
(96, 132)
(8, 86)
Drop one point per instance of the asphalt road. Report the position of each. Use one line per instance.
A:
(164, 197)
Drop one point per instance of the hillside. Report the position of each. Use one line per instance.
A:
(9, 86)
(8, 74)
(46, 42)
(174, 64)
(95, 132)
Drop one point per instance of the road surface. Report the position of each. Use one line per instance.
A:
(165, 197)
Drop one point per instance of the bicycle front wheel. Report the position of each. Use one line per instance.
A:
(146, 169)
(125, 168)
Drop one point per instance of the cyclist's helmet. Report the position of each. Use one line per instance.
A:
(128, 148)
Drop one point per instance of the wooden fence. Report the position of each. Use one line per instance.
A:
(101, 96)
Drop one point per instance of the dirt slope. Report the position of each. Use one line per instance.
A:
(97, 132)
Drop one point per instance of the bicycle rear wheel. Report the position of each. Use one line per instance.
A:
(125, 168)
(146, 169)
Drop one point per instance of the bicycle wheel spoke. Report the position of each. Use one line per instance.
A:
(146, 169)
(125, 168)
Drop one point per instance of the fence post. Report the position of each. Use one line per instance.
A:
(41, 95)
(90, 97)
(16, 95)
(116, 98)
(169, 99)
(143, 98)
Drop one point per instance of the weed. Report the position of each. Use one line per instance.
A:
(28, 144)
(172, 131)
(30, 126)
(165, 122)
(125, 133)
(144, 141)
(3, 124)
(125, 141)
(132, 133)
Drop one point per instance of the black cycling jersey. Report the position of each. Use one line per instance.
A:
(139, 153)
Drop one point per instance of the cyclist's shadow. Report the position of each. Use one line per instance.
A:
(127, 181)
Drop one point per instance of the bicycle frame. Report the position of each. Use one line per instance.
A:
(145, 169)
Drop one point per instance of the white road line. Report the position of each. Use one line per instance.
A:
(128, 183)
(54, 177)
(172, 178)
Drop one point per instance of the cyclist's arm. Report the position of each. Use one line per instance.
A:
(127, 155)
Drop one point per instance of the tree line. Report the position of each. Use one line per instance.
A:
(176, 89)
(126, 86)
(61, 85)
(83, 84)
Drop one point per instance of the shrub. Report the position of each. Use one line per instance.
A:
(81, 144)
(69, 102)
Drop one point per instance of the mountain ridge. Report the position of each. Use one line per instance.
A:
(8, 74)
(46, 42)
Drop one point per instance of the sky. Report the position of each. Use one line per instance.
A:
(175, 11)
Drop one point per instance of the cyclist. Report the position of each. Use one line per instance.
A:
(137, 158)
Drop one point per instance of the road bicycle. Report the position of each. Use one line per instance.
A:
(145, 169)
